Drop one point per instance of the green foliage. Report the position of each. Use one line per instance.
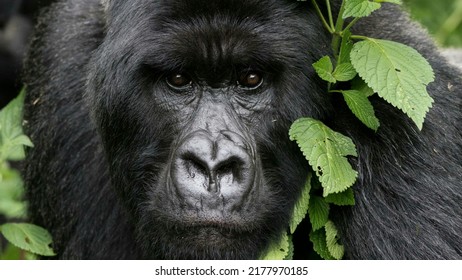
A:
(396, 72)
(301, 206)
(318, 238)
(11, 193)
(325, 69)
(342, 73)
(359, 8)
(346, 198)
(326, 151)
(443, 18)
(28, 237)
(12, 141)
(335, 249)
(279, 250)
(361, 107)
(318, 211)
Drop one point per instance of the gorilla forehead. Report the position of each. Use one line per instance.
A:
(216, 34)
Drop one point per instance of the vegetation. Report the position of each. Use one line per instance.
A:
(443, 18)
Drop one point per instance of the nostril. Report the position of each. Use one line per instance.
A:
(194, 165)
(232, 166)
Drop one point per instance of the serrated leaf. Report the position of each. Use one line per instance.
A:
(318, 238)
(301, 207)
(278, 250)
(318, 212)
(361, 108)
(324, 69)
(346, 198)
(344, 72)
(290, 254)
(336, 250)
(326, 152)
(28, 237)
(398, 73)
(359, 8)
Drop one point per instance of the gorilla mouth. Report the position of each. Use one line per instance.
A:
(210, 234)
(214, 231)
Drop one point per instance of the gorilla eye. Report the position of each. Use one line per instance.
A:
(178, 80)
(250, 79)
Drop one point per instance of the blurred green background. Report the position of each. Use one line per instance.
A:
(443, 18)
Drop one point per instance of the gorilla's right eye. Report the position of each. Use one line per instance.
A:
(250, 79)
(178, 80)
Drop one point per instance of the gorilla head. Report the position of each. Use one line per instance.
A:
(161, 131)
(189, 97)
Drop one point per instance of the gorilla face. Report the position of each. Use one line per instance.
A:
(193, 100)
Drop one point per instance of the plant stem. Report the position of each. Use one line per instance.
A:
(359, 37)
(351, 24)
(337, 30)
(321, 16)
(329, 12)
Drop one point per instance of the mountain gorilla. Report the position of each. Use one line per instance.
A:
(161, 131)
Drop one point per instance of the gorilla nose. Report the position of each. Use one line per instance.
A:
(213, 170)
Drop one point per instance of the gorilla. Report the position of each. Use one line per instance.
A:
(161, 131)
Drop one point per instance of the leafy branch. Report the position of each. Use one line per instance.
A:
(396, 72)
(27, 237)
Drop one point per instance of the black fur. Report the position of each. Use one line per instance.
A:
(103, 131)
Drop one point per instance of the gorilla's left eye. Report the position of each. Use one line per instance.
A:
(178, 80)
(250, 79)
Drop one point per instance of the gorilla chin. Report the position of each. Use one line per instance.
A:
(200, 241)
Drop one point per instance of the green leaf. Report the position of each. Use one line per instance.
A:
(346, 198)
(301, 207)
(326, 152)
(318, 212)
(278, 250)
(398, 73)
(361, 108)
(359, 8)
(324, 69)
(344, 72)
(28, 237)
(12, 139)
(318, 238)
(10, 253)
(336, 250)
(290, 254)
(10, 118)
(11, 193)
